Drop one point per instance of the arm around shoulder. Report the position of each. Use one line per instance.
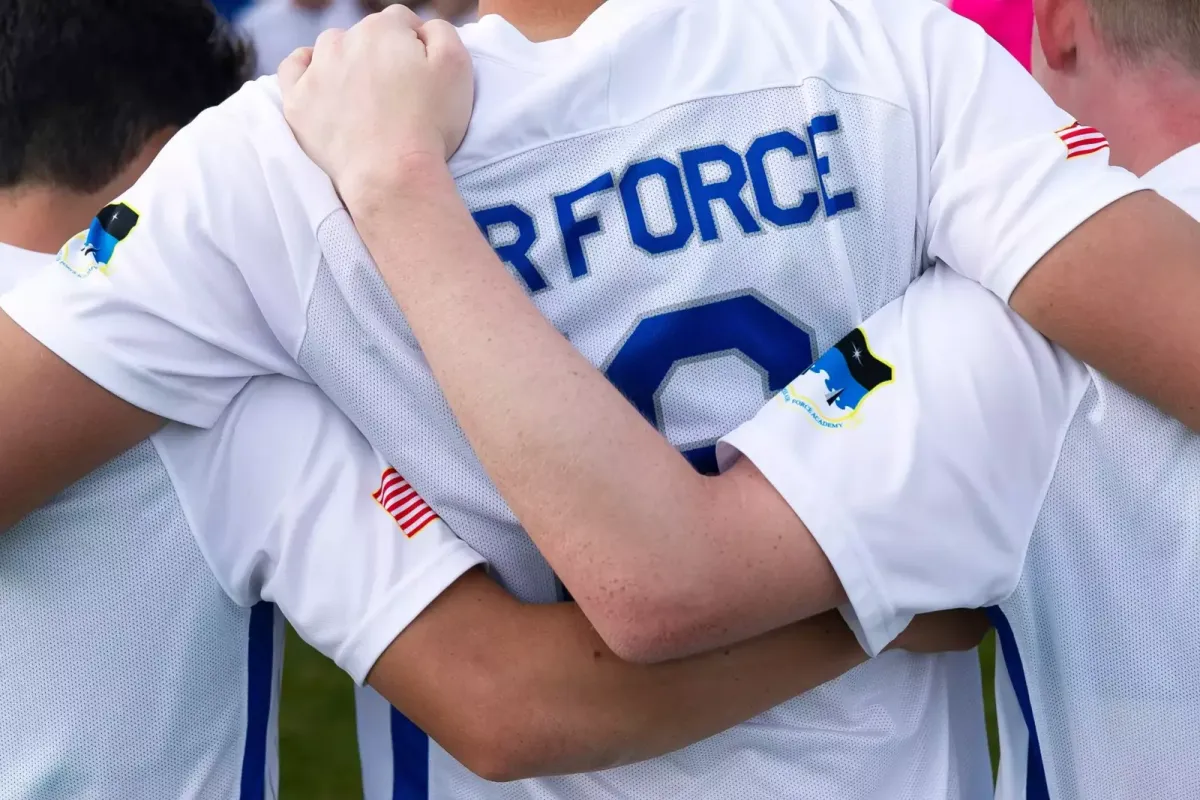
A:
(519, 691)
(923, 490)
(1121, 293)
(57, 425)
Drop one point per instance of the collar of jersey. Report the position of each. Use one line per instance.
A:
(495, 37)
(1180, 170)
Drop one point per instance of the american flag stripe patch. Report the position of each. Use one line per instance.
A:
(403, 503)
(1081, 140)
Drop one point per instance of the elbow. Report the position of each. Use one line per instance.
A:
(649, 644)
(650, 628)
(495, 760)
(503, 735)
(520, 746)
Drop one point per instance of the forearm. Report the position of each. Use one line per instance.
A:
(442, 272)
(634, 532)
(520, 691)
(606, 712)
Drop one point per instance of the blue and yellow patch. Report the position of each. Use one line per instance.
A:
(833, 389)
(93, 249)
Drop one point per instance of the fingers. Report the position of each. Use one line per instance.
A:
(330, 41)
(292, 69)
(402, 14)
(443, 44)
(386, 28)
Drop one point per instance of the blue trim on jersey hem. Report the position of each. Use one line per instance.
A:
(1036, 787)
(260, 675)
(410, 760)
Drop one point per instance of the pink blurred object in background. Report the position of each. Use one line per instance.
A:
(1010, 22)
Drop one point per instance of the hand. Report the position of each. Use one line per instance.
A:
(943, 632)
(363, 102)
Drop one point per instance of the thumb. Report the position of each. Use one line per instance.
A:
(292, 69)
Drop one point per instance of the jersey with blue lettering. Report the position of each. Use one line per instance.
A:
(702, 195)
(1074, 515)
(141, 639)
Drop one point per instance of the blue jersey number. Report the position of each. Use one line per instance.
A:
(746, 324)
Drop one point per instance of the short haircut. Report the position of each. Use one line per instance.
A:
(1141, 30)
(85, 84)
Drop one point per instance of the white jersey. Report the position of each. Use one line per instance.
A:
(16, 265)
(701, 194)
(140, 637)
(988, 468)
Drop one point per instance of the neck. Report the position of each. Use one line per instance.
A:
(540, 21)
(1149, 113)
(41, 218)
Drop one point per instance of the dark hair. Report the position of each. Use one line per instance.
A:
(85, 84)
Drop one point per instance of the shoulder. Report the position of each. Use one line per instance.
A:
(236, 162)
(707, 53)
(275, 432)
(1178, 180)
(271, 463)
(286, 420)
(919, 33)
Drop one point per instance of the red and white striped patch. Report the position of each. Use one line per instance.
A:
(1081, 140)
(400, 500)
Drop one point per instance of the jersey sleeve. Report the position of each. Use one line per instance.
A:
(918, 451)
(184, 287)
(1009, 173)
(289, 504)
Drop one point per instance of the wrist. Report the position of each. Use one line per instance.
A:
(363, 190)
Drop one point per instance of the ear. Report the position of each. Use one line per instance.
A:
(1055, 22)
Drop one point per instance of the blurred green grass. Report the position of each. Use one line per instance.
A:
(987, 662)
(318, 752)
(318, 748)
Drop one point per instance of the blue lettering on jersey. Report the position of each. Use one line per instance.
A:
(709, 175)
(768, 204)
(573, 230)
(728, 191)
(657, 245)
(515, 254)
(827, 123)
(749, 325)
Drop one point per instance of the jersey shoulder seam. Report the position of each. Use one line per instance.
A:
(189, 516)
(610, 125)
(1048, 479)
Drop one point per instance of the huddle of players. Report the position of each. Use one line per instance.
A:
(165, 658)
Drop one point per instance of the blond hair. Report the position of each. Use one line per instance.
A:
(1141, 30)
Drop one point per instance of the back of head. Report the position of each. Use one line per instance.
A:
(85, 84)
(1146, 30)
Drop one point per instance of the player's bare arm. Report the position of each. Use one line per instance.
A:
(516, 691)
(671, 532)
(1121, 293)
(58, 425)
(510, 689)
(642, 566)
(663, 560)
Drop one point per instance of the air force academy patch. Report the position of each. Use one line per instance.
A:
(832, 390)
(93, 249)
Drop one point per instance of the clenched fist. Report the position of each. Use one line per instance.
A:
(363, 101)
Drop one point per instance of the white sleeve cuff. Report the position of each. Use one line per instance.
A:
(1069, 211)
(870, 614)
(402, 605)
(36, 306)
